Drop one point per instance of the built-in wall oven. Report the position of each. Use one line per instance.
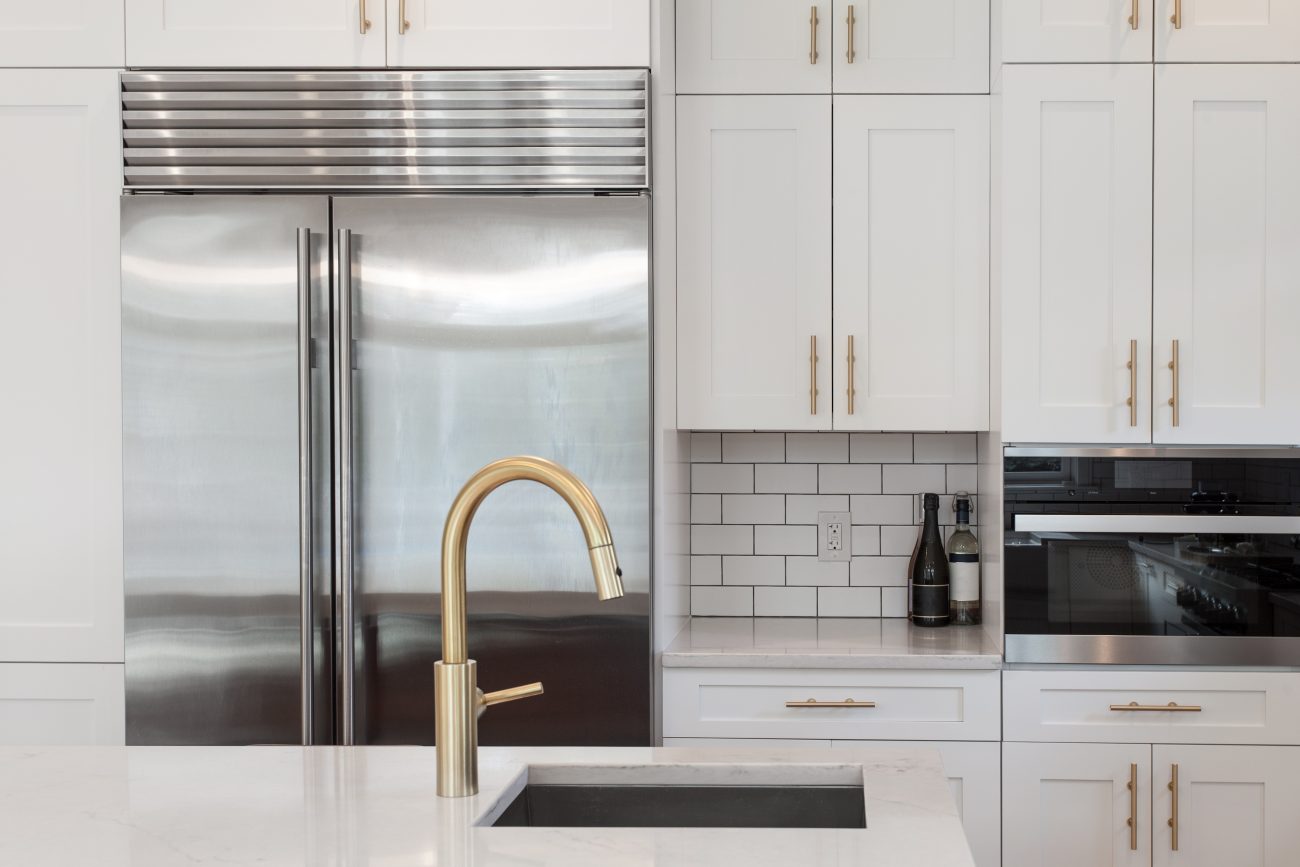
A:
(1155, 556)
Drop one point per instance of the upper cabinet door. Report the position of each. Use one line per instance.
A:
(47, 33)
(1076, 254)
(1216, 31)
(518, 33)
(1079, 31)
(753, 46)
(1227, 259)
(754, 262)
(911, 46)
(261, 33)
(911, 262)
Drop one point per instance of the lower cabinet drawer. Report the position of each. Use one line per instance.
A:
(1172, 707)
(834, 704)
(62, 704)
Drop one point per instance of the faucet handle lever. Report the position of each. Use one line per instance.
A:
(514, 693)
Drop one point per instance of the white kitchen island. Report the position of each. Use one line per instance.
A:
(323, 806)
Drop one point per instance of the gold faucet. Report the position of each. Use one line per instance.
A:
(459, 700)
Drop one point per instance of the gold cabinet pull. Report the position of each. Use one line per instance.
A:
(812, 702)
(1177, 18)
(1173, 810)
(1132, 383)
(812, 373)
(852, 21)
(1172, 707)
(365, 22)
(402, 24)
(1174, 401)
(1133, 807)
(1133, 15)
(812, 36)
(852, 361)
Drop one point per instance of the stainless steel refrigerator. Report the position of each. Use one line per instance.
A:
(343, 293)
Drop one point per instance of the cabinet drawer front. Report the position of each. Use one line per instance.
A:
(1216, 707)
(910, 705)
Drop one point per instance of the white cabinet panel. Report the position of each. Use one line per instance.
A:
(1078, 31)
(60, 444)
(259, 33)
(1227, 260)
(62, 705)
(1218, 31)
(65, 33)
(1069, 805)
(752, 46)
(754, 261)
(518, 33)
(1076, 253)
(911, 46)
(1235, 805)
(911, 262)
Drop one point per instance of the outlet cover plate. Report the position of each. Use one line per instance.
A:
(834, 536)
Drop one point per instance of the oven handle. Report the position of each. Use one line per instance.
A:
(1262, 524)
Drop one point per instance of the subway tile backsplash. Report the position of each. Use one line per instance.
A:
(754, 504)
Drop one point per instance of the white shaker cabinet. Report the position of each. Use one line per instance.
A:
(1227, 254)
(1076, 253)
(518, 33)
(1227, 31)
(255, 33)
(46, 33)
(911, 46)
(55, 704)
(60, 444)
(753, 46)
(911, 263)
(1081, 31)
(754, 262)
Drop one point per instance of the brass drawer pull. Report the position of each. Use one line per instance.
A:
(812, 36)
(1172, 707)
(1133, 807)
(1177, 18)
(852, 22)
(1175, 401)
(402, 24)
(1173, 812)
(812, 702)
(1133, 16)
(852, 361)
(812, 374)
(365, 22)
(1132, 383)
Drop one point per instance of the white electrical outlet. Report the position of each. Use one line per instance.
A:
(834, 536)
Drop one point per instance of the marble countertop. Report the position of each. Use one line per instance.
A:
(338, 807)
(778, 642)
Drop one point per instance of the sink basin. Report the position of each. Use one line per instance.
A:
(688, 796)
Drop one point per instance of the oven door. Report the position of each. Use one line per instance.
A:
(1164, 589)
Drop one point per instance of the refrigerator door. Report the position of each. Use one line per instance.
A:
(484, 327)
(217, 507)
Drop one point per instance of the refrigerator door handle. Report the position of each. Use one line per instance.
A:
(306, 585)
(343, 481)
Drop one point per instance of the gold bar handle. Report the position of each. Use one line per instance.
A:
(1173, 811)
(812, 702)
(1177, 18)
(812, 36)
(514, 693)
(1132, 383)
(1133, 807)
(812, 373)
(1172, 707)
(365, 22)
(852, 362)
(1133, 16)
(852, 21)
(402, 24)
(1175, 400)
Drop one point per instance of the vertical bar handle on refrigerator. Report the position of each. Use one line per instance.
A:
(343, 480)
(1133, 807)
(306, 584)
(1132, 383)
(1174, 399)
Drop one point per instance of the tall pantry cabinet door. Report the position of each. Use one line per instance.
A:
(1233, 805)
(513, 33)
(1070, 805)
(1228, 31)
(911, 46)
(1227, 258)
(911, 262)
(754, 262)
(257, 33)
(48, 33)
(1078, 31)
(60, 368)
(1076, 254)
(753, 46)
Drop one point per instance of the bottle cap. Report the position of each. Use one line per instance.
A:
(961, 498)
(931, 501)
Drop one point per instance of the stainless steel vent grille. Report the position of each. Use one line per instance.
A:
(515, 129)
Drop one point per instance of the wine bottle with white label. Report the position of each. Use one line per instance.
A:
(963, 567)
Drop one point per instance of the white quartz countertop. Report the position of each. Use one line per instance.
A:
(807, 642)
(339, 806)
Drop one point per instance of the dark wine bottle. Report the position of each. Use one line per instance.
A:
(930, 572)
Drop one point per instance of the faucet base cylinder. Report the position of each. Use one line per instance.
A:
(456, 696)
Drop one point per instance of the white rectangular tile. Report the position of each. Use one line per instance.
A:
(866, 541)
(945, 448)
(706, 447)
(811, 572)
(722, 601)
(878, 509)
(753, 509)
(910, 478)
(785, 540)
(706, 508)
(880, 448)
(706, 569)
(817, 448)
(722, 539)
(785, 479)
(753, 570)
(848, 602)
(893, 602)
(785, 601)
(878, 571)
(722, 479)
(803, 509)
(848, 479)
(753, 448)
(963, 477)
(899, 541)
